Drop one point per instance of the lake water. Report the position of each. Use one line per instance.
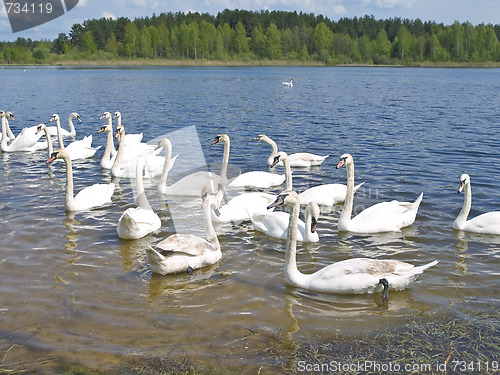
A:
(70, 288)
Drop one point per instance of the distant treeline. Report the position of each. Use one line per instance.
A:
(272, 35)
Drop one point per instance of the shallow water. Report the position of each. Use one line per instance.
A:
(70, 287)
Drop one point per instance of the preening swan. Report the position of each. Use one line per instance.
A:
(487, 223)
(193, 184)
(289, 83)
(184, 252)
(26, 141)
(92, 196)
(300, 159)
(352, 276)
(275, 224)
(139, 221)
(80, 149)
(381, 217)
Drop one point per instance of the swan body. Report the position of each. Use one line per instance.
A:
(299, 159)
(381, 217)
(326, 194)
(139, 221)
(183, 252)
(275, 224)
(487, 223)
(257, 179)
(80, 149)
(26, 141)
(193, 184)
(92, 196)
(352, 276)
(65, 133)
(242, 206)
(10, 135)
(289, 83)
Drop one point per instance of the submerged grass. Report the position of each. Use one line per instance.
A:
(446, 345)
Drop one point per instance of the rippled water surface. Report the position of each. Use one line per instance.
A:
(71, 287)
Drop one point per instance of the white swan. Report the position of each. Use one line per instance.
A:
(72, 131)
(129, 138)
(154, 164)
(184, 252)
(26, 141)
(289, 83)
(487, 223)
(43, 127)
(139, 221)
(299, 159)
(352, 276)
(92, 196)
(80, 149)
(10, 135)
(381, 217)
(193, 184)
(275, 224)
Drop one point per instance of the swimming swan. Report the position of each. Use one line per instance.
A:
(184, 252)
(138, 222)
(290, 83)
(10, 135)
(193, 184)
(43, 127)
(275, 224)
(26, 141)
(381, 217)
(129, 138)
(352, 276)
(72, 131)
(299, 159)
(80, 149)
(92, 196)
(487, 223)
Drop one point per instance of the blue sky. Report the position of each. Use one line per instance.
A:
(441, 11)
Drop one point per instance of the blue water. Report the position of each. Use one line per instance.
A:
(69, 285)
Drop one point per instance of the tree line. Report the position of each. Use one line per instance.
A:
(265, 35)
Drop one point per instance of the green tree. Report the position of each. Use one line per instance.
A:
(88, 43)
(273, 45)
(258, 42)
(130, 40)
(239, 43)
(322, 40)
(112, 44)
(144, 45)
(58, 44)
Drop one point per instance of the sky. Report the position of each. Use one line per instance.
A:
(440, 11)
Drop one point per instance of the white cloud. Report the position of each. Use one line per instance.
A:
(82, 3)
(391, 4)
(109, 15)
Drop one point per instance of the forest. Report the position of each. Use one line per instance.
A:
(260, 37)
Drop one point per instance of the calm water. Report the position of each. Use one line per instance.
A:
(69, 287)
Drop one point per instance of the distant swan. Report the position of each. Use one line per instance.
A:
(352, 276)
(381, 217)
(139, 221)
(289, 83)
(487, 223)
(184, 252)
(299, 159)
(92, 196)
(26, 141)
(72, 131)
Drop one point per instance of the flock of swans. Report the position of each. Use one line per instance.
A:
(183, 252)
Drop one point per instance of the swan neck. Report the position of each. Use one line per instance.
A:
(345, 216)
(59, 134)
(166, 165)
(4, 132)
(109, 146)
(210, 233)
(464, 212)
(288, 174)
(69, 181)
(225, 160)
(119, 154)
(72, 130)
(49, 141)
(142, 199)
(292, 274)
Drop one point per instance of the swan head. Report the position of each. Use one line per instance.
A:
(55, 117)
(10, 115)
(345, 159)
(105, 115)
(286, 198)
(313, 208)
(281, 156)
(57, 154)
(464, 180)
(221, 138)
(117, 115)
(120, 130)
(164, 143)
(40, 127)
(209, 197)
(75, 115)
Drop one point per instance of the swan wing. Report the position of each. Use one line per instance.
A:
(275, 224)
(137, 222)
(487, 223)
(242, 206)
(185, 243)
(258, 179)
(305, 159)
(94, 196)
